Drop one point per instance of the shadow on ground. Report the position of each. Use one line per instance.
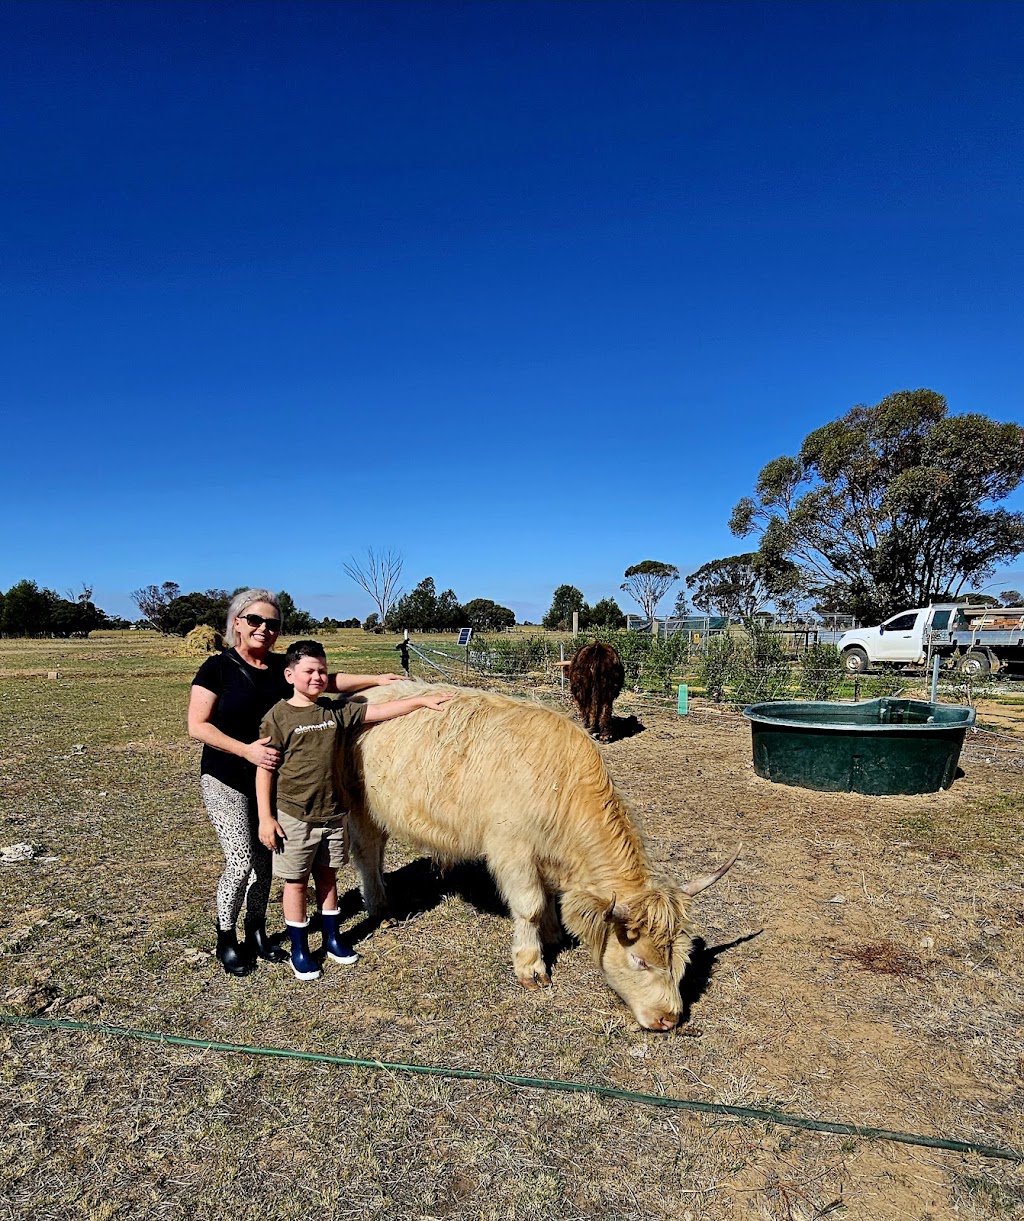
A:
(697, 977)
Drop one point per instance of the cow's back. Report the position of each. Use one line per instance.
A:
(486, 776)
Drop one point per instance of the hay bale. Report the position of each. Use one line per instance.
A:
(202, 639)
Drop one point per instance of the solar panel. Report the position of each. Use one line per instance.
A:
(464, 635)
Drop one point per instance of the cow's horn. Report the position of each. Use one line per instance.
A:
(616, 910)
(709, 879)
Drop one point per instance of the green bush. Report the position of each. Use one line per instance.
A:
(508, 654)
(717, 667)
(762, 670)
(821, 672)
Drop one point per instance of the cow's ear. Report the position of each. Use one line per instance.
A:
(588, 916)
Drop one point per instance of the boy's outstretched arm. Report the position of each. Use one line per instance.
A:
(348, 684)
(270, 832)
(393, 708)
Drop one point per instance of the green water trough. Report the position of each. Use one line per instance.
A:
(883, 746)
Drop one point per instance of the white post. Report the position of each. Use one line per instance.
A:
(575, 623)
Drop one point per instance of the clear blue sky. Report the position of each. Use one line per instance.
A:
(526, 291)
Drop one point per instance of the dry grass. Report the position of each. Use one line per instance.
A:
(900, 1005)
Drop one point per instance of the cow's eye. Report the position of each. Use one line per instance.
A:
(639, 963)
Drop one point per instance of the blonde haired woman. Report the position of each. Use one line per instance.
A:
(231, 693)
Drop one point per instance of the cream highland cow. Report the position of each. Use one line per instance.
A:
(524, 789)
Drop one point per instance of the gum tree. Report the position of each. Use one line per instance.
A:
(648, 582)
(891, 505)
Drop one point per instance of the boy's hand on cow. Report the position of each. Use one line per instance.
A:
(271, 834)
(262, 755)
(437, 702)
(384, 679)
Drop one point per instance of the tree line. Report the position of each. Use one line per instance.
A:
(168, 610)
(27, 610)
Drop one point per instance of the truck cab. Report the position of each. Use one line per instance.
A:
(899, 640)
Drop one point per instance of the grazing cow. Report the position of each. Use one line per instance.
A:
(524, 789)
(595, 679)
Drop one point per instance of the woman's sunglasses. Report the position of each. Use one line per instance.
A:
(273, 625)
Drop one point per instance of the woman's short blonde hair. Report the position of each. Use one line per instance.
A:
(238, 605)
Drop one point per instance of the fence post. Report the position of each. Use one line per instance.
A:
(935, 678)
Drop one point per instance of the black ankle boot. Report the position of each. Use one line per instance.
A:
(259, 945)
(230, 954)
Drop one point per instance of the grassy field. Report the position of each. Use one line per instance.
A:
(900, 1006)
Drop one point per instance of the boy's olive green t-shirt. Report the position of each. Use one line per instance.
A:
(312, 742)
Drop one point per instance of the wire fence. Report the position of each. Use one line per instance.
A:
(530, 665)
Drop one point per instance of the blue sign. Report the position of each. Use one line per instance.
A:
(464, 635)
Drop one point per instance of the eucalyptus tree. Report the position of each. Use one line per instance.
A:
(889, 506)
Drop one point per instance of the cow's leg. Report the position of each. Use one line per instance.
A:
(367, 842)
(550, 923)
(528, 902)
(605, 721)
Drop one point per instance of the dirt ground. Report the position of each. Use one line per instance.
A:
(870, 968)
(861, 964)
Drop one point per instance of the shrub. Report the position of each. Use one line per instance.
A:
(821, 672)
(512, 654)
(887, 681)
(763, 671)
(717, 667)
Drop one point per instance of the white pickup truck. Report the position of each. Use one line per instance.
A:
(975, 639)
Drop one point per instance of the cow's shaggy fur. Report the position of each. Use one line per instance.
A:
(523, 788)
(595, 680)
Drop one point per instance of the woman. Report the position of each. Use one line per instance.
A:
(230, 695)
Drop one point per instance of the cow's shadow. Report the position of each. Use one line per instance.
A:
(419, 887)
(626, 727)
(422, 885)
(697, 978)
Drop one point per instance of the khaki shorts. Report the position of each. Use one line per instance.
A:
(307, 847)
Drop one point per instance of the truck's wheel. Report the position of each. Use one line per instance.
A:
(976, 663)
(855, 660)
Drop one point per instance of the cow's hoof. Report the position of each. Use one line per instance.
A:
(537, 979)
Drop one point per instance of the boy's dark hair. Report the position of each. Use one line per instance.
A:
(303, 648)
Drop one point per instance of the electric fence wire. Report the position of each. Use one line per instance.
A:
(423, 657)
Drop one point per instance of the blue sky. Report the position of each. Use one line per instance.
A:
(528, 292)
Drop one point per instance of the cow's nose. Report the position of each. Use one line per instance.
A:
(664, 1021)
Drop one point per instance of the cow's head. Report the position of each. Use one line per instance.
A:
(644, 946)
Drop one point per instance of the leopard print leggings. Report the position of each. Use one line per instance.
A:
(247, 869)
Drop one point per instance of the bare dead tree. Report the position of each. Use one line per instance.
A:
(378, 575)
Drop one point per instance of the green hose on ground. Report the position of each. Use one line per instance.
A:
(537, 1083)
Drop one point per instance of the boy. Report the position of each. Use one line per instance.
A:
(309, 832)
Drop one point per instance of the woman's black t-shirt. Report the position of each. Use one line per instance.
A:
(245, 695)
